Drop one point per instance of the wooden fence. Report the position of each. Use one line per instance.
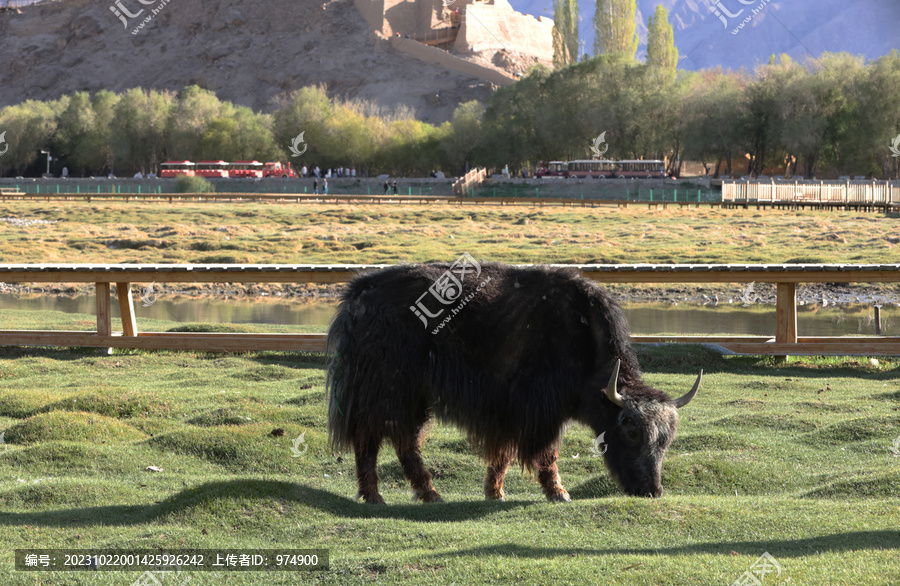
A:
(884, 195)
(785, 341)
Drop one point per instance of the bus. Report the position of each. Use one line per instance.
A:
(175, 168)
(553, 169)
(210, 169)
(604, 169)
(653, 168)
(246, 169)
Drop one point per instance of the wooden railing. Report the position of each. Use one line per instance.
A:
(785, 341)
(469, 181)
(853, 194)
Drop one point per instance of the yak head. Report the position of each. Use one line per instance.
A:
(638, 433)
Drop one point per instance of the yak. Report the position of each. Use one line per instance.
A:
(508, 354)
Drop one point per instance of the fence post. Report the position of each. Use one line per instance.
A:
(786, 314)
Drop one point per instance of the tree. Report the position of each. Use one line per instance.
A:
(614, 28)
(565, 32)
(662, 54)
(138, 130)
(306, 111)
(192, 113)
(710, 120)
(74, 129)
(254, 138)
(464, 136)
(98, 142)
(28, 128)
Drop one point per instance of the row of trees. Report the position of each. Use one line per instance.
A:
(139, 129)
(829, 116)
(615, 33)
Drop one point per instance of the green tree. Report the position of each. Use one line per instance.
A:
(138, 130)
(565, 32)
(98, 142)
(877, 118)
(308, 111)
(74, 130)
(254, 138)
(614, 28)
(192, 113)
(710, 120)
(662, 54)
(464, 136)
(29, 127)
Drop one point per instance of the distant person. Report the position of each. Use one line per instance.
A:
(65, 173)
(386, 187)
(316, 186)
(394, 185)
(303, 172)
(325, 186)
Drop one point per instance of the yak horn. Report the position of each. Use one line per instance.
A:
(611, 392)
(679, 403)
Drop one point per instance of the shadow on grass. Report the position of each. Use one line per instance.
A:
(54, 352)
(215, 492)
(786, 548)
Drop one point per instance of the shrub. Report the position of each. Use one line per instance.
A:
(187, 184)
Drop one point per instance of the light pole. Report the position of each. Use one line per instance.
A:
(43, 152)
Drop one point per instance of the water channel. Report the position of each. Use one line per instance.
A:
(643, 318)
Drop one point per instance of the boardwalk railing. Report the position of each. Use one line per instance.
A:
(785, 341)
(854, 194)
(468, 182)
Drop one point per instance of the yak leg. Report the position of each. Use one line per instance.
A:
(408, 452)
(366, 451)
(498, 464)
(548, 476)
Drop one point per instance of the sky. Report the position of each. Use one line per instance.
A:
(800, 28)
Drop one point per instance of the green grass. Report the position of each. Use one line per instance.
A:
(793, 459)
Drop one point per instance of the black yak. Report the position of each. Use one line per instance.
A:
(509, 355)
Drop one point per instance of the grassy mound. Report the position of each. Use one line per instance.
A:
(71, 426)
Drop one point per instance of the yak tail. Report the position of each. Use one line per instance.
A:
(339, 346)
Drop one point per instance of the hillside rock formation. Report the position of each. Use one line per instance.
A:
(247, 51)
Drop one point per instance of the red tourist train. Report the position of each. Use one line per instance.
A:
(235, 170)
(602, 169)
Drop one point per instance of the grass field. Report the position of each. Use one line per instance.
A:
(794, 459)
(791, 460)
(309, 233)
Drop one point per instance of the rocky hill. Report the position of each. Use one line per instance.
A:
(247, 51)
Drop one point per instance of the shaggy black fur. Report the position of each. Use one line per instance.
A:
(532, 349)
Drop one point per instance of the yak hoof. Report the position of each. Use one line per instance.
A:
(497, 496)
(371, 499)
(431, 496)
(562, 497)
